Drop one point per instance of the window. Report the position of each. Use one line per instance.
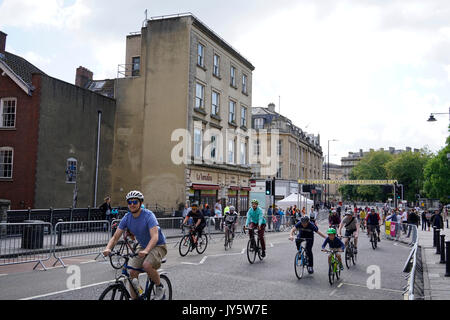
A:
(216, 65)
(259, 123)
(71, 170)
(6, 162)
(243, 153)
(197, 143)
(213, 147)
(136, 61)
(232, 112)
(233, 76)
(279, 147)
(231, 151)
(199, 96)
(243, 116)
(8, 113)
(279, 171)
(244, 83)
(215, 103)
(201, 55)
(256, 149)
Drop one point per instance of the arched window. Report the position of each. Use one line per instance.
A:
(6, 162)
(71, 170)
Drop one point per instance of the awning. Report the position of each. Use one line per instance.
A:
(234, 188)
(246, 188)
(205, 187)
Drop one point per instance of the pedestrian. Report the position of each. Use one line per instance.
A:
(413, 223)
(436, 220)
(276, 219)
(428, 217)
(218, 214)
(424, 220)
(106, 208)
(404, 220)
(269, 218)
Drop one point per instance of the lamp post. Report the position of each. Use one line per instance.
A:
(433, 119)
(328, 171)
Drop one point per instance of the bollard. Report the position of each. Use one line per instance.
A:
(442, 248)
(447, 262)
(438, 241)
(59, 234)
(434, 236)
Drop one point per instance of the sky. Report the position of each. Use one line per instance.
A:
(366, 73)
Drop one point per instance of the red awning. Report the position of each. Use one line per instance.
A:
(246, 188)
(205, 187)
(234, 188)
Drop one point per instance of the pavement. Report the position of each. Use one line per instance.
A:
(436, 284)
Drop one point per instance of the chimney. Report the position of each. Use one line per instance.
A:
(83, 76)
(271, 107)
(2, 42)
(408, 149)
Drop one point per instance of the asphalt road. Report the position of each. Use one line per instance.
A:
(227, 275)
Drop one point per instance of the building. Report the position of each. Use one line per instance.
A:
(347, 163)
(335, 173)
(299, 154)
(183, 97)
(49, 133)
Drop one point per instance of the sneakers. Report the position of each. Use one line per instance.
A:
(341, 267)
(310, 270)
(263, 254)
(159, 292)
(378, 239)
(355, 250)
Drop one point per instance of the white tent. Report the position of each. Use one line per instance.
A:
(295, 200)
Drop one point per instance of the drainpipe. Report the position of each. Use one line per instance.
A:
(98, 156)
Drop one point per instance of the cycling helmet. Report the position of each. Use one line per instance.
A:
(232, 208)
(348, 212)
(331, 231)
(304, 219)
(194, 204)
(135, 195)
(255, 201)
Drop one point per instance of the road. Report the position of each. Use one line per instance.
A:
(227, 275)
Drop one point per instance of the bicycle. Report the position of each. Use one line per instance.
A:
(349, 252)
(253, 247)
(229, 236)
(333, 266)
(118, 290)
(187, 243)
(373, 236)
(301, 260)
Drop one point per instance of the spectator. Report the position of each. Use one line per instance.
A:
(428, 217)
(424, 221)
(269, 218)
(276, 219)
(404, 218)
(106, 208)
(218, 214)
(436, 220)
(413, 220)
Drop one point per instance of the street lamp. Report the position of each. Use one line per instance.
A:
(433, 119)
(328, 170)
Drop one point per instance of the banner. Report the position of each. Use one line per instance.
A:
(388, 228)
(359, 182)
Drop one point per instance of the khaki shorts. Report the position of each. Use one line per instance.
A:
(154, 257)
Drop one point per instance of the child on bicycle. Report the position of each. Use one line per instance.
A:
(334, 243)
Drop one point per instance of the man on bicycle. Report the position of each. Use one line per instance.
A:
(351, 225)
(334, 220)
(373, 222)
(230, 220)
(334, 243)
(152, 242)
(255, 219)
(198, 220)
(306, 231)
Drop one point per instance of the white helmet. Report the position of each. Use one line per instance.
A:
(135, 194)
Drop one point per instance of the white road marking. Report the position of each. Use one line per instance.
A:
(67, 290)
(90, 261)
(3, 274)
(362, 286)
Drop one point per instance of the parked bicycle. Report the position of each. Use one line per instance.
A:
(333, 266)
(118, 290)
(187, 242)
(301, 259)
(253, 247)
(349, 252)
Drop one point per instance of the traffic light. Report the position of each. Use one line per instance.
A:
(273, 187)
(398, 192)
(268, 187)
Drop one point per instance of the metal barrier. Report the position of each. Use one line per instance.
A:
(80, 238)
(30, 241)
(402, 232)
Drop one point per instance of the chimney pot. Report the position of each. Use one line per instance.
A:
(2, 42)
(83, 76)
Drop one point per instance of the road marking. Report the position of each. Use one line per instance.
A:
(3, 274)
(67, 290)
(359, 285)
(90, 261)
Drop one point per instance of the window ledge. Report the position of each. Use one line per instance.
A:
(245, 93)
(201, 67)
(217, 76)
(234, 87)
(213, 116)
(8, 128)
(233, 124)
(6, 180)
(244, 128)
(200, 110)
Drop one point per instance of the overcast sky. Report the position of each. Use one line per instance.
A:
(365, 72)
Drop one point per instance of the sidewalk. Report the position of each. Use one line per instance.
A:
(436, 285)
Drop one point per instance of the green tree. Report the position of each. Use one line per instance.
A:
(407, 168)
(437, 175)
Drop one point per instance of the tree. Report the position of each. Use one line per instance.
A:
(437, 175)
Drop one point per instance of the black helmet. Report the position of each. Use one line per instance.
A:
(304, 219)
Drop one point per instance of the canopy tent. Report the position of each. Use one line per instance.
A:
(295, 200)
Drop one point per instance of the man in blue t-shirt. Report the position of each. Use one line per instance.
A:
(306, 231)
(151, 241)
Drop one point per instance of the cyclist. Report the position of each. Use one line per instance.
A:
(306, 231)
(334, 219)
(230, 220)
(334, 243)
(151, 241)
(255, 219)
(351, 225)
(198, 221)
(373, 222)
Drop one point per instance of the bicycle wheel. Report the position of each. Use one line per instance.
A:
(299, 264)
(259, 250)
(167, 288)
(373, 239)
(348, 255)
(337, 270)
(230, 240)
(185, 245)
(251, 251)
(116, 291)
(202, 243)
(330, 273)
(226, 240)
(353, 254)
